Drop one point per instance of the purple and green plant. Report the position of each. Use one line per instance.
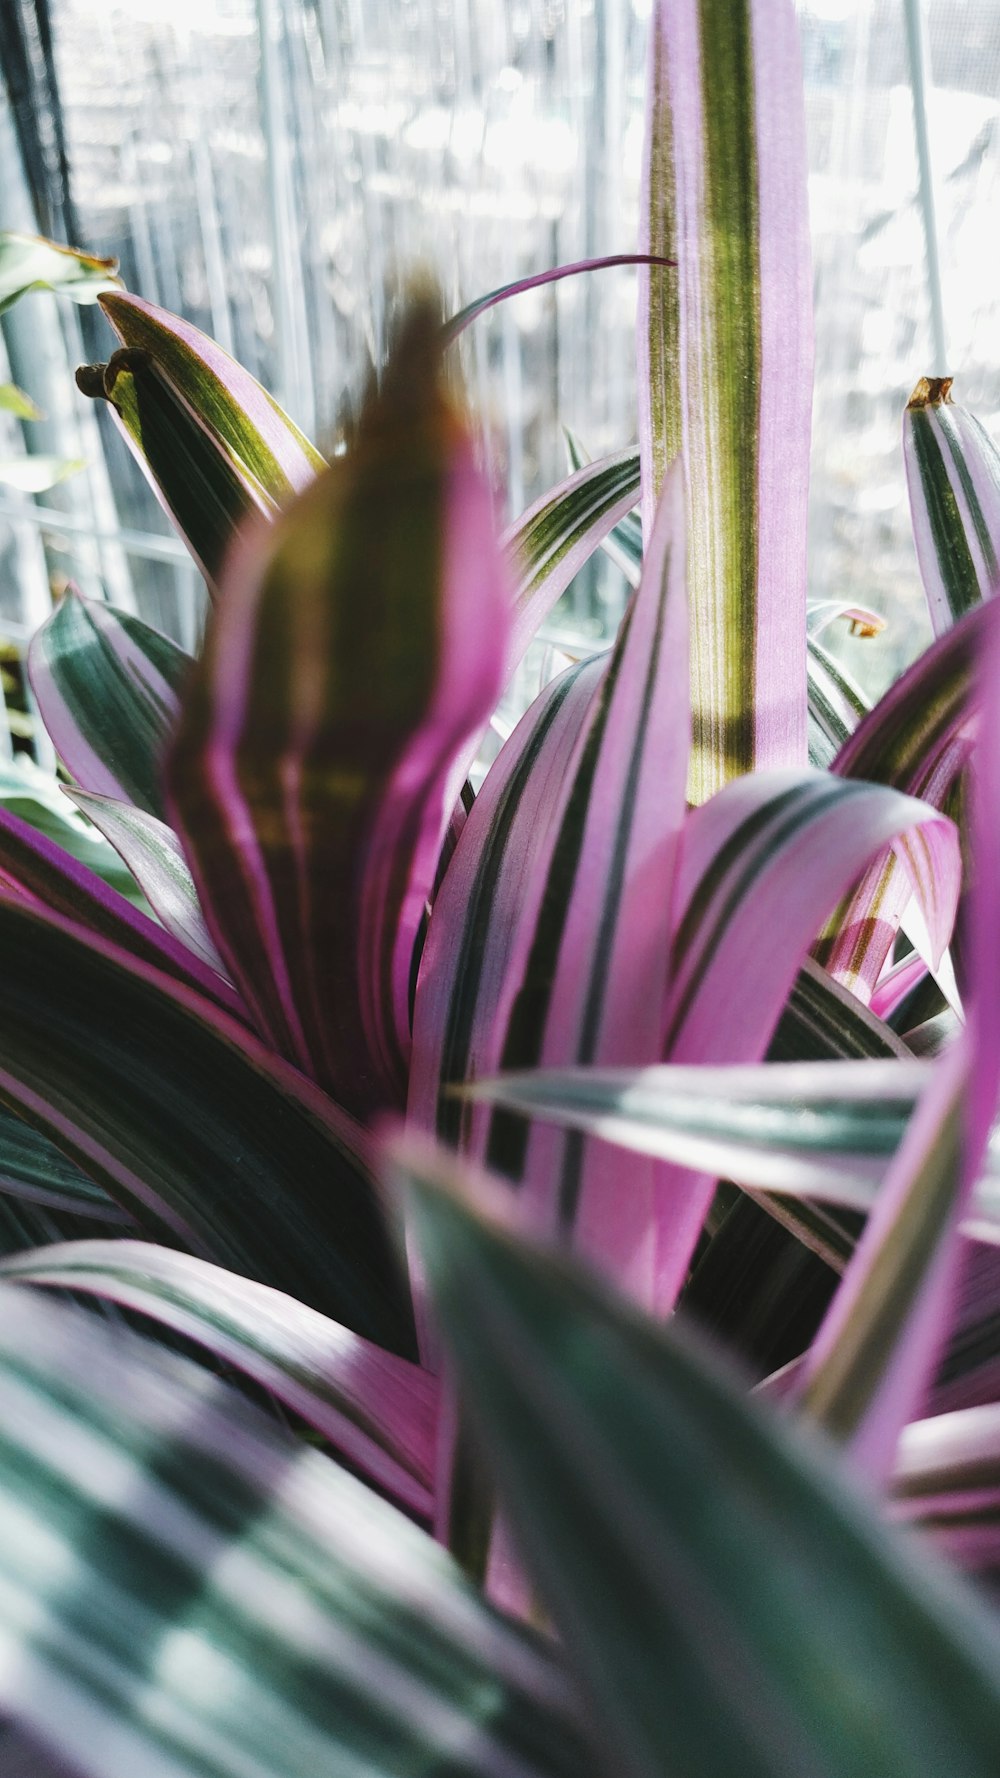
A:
(429, 1124)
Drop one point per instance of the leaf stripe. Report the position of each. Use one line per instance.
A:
(470, 946)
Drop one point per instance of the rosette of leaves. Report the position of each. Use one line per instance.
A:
(450, 1487)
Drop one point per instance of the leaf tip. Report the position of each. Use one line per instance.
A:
(931, 392)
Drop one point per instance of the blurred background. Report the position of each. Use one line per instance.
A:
(264, 167)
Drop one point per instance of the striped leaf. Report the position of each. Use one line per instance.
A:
(821, 1021)
(185, 1594)
(215, 446)
(759, 864)
(155, 857)
(41, 873)
(570, 861)
(821, 614)
(205, 492)
(811, 1129)
(36, 797)
(768, 852)
(229, 403)
(725, 1599)
(354, 656)
(836, 705)
(492, 886)
(376, 1409)
(591, 972)
(28, 262)
(725, 363)
(947, 1481)
(32, 1168)
(191, 1125)
(552, 541)
(917, 738)
(875, 1352)
(624, 543)
(953, 477)
(108, 688)
(806, 1129)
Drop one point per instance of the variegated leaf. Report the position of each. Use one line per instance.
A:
(725, 363)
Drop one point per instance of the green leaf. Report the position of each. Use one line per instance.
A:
(35, 475)
(28, 262)
(14, 401)
(727, 1602)
(186, 1594)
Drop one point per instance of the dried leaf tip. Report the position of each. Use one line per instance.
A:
(931, 392)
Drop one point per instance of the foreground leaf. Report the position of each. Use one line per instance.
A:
(192, 1126)
(377, 1410)
(726, 1600)
(186, 1594)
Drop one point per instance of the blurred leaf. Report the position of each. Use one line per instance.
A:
(947, 1481)
(353, 659)
(376, 1409)
(35, 475)
(187, 1594)
(27, 262)
(727, 1601)
(14, 401)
